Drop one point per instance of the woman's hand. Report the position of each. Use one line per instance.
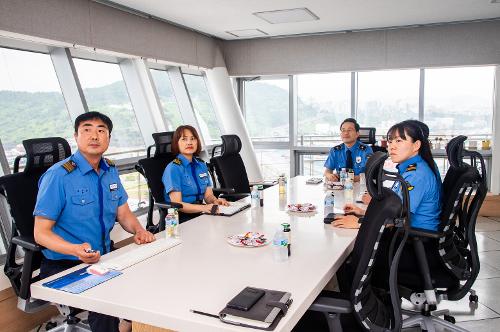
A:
(221, 201)
(207, 208)
(346, 222)
(366, 198)
(351, 208)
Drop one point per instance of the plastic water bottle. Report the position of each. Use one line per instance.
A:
(348, 191)
(329, 203)
(254, 197)
(282, 184)
(343, 176)
(169, 223)
(280, 246)
(260, 189)
(175, 224)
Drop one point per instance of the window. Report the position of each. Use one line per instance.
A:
(137, 190)
(105, 92)
(273, 162)
(312, 164)
(459, 101)
(167, 99)
(267, 109)
(30, 95)
(387, 97)
(203, 108)
(323, 102)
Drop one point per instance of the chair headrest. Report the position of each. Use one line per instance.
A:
(163, 142)
(454, 151)
(367, 135)
(41, 153)
(231, 144)
(374, 170)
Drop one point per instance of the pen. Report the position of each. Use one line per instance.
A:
(203, 313)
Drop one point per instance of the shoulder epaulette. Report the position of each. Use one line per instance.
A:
(362, 147)
(177, 161)
(411, 167)
(69, 166)
(338, 147)
(110, 162)
(410, 187)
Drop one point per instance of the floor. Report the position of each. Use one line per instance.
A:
(486, 317)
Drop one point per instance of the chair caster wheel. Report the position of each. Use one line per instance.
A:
(473, 298)
(50, 325)
(449, 318)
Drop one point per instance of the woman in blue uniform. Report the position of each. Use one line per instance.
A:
(186, 178)
(409, 148)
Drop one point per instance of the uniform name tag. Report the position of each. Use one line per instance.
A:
(113, 186)
(358, 159)
(203, 175)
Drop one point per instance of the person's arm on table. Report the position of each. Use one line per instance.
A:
(176, 197)
(129, 222)
(211, 199)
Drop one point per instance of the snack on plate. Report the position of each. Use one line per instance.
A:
(301, 207)
(248, 239)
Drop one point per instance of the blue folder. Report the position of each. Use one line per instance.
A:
(80, 280)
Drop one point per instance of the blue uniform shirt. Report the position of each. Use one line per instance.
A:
(82, 203)
(425, 192)
(337, 158)
(190, 178)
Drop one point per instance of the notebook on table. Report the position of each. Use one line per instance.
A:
(264, 314)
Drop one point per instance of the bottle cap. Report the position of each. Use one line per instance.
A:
(171, 211)
(260, 187)
(286, 227)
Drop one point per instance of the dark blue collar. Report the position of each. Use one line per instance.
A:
(85, 166)
(354, 147)
(404, 165)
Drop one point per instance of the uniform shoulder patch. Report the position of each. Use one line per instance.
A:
(362, 147)
(177, 161)
(410, 187)
(411, 167)
(110, 162)
(69, 166)
(338, 147)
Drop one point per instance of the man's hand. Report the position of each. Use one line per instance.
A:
(332, 177)
(80, 251)
(143, 236)
(346, 222)
(221, 201)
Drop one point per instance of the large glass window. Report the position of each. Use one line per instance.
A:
(137, 190)
(459, 101)
(273, 162)
(31, 102)
(323, 101)
(387, 97)
(203, 108)
(267, 109)
(105, 92)
(168, 102)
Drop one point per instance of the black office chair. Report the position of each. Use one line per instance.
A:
(454, 244)
(367, 136)
(372, 308)
(228, 170)
(152, 169)
(20, 190)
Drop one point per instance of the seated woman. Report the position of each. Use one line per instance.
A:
(409, 148)
(186, 178)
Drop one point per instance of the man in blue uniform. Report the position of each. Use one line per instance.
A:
(351, 154)
(78, 201)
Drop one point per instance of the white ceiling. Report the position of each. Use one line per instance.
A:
(215, 17)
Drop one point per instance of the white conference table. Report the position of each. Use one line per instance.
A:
(204, 272)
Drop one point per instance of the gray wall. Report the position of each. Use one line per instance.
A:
(445, 45)
(87, 23)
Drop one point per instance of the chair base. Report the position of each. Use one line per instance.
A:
(428, 323)
(78, 327)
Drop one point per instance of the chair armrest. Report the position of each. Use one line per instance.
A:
(425, 233)
(26, 242)
(234, 197)
(168, 205)
(329, 304)
(223, 191)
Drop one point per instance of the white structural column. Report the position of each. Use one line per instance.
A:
(68, 81)
(144, 98)
(495, 152)
(229, 113)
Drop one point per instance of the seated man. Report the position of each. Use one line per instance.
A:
(78, 201)
(351, 154)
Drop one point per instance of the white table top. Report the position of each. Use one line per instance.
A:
(205, 272)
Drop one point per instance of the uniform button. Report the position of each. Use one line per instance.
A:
(83, 201)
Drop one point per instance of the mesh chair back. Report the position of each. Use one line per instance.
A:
(367, 135)
(464, 190)
(163, 143)
(229, 167)
(41, 153)
(385, 208)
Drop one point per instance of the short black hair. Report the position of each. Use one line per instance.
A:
(92, 116)
(351, 120)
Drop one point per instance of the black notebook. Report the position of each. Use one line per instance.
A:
(264, 314)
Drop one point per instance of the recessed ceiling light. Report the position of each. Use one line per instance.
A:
(287, 15)
(247, 33)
